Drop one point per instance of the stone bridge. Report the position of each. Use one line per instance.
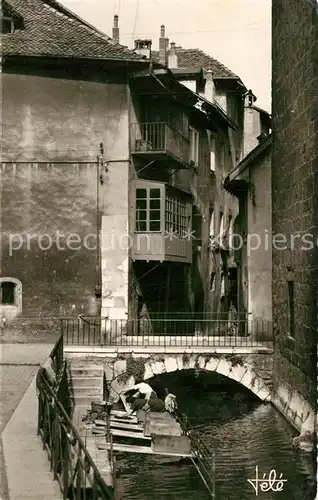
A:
(254, 367)
(249, 366)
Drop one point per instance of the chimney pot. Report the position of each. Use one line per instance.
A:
(143, 47)
(172, 57)
(209, 90)
(163, 46)
(116, 29)
(250, 98)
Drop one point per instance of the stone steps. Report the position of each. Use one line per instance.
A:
(78, 382)
(87, 380)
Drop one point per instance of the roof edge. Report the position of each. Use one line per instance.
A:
(61, 8)
(38, 57)
(64, 10)
(240, 167)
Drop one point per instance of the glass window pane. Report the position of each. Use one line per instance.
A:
(154, 226)
(155, 215)
(141, 226)
(155, 204)
(141, 193)
(142, 204)
(154, 193)
(141, 215)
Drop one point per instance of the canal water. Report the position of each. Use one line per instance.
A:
(242, 431)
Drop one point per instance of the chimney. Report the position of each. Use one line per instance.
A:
(162, 46)
(172, 57)
(116, 29)
(252, 124)
(209, 90)
(249, 99)
(143, 47)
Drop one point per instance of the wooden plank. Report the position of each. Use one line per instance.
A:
(136, 435)
(120, 425)
(129, 420)
(99, 432)
(127, 448)
(100, 422)
(131, 427)
(118, 413)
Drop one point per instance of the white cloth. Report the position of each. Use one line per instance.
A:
(171, 403)
(143, 388)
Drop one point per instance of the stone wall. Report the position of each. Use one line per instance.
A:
(259, 231)
(51, 132)
(253, 371)
(294, 198)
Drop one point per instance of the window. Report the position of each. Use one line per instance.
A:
(148, 210)
(231, 223)
(212, 154)
(176, 219)
(8, 293)
(212, 225)
(7, 25)
(291, 306)
(194, 145)
(212, 282)
(222, 290)
(221, 233)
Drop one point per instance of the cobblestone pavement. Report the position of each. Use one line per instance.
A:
(18, 365)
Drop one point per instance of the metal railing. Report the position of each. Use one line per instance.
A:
(204, 459)
(159, 137)
(174, 332)
(70, 461)
(57, 356)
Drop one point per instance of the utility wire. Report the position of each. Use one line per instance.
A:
(233, 28)
(136, 15)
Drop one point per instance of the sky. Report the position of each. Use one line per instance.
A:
(236, 32)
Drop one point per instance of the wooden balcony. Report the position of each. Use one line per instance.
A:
(158, 141)
(161, 247)
(162, 222)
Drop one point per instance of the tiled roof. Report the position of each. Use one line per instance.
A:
(196, 58)
(52, 30)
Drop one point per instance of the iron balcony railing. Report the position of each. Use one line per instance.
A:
(159, 137)
(70, 461)
(175, 332)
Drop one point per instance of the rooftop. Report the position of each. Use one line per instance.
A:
(51, 30)
(196, 58)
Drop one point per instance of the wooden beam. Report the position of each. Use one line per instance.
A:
(140, 449)
(129, 434)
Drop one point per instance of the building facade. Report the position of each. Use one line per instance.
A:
(294, 205)
(64, 115)
(216, 84)
(250, 182)
(112, 182)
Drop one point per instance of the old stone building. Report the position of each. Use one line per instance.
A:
(216, 84)
(294, 206)
(64, 92)
(250, 181)
(112, 182)
(227, 280)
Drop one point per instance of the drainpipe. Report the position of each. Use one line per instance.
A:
(99, 181)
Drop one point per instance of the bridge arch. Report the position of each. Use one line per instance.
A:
(231, 366)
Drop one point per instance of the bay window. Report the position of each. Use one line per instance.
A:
(148, 210)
